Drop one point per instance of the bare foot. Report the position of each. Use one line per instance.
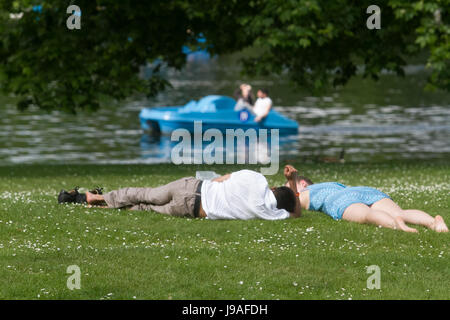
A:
(95, 199)
(89, 197)
(439, 224)
(402, 226)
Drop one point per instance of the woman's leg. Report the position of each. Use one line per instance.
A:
(361, 213)
(411, 216)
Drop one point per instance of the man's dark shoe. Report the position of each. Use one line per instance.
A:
(97, 190)
(73, 196)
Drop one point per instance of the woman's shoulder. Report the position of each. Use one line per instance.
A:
(328, 184)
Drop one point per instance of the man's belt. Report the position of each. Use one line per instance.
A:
(198, 199)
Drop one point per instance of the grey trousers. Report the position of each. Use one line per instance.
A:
(176, 198)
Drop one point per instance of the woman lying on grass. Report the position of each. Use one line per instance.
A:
(362, 205)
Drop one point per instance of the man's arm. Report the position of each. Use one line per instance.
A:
(291, 175)
(222, 178)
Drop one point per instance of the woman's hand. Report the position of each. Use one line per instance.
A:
(290, 172)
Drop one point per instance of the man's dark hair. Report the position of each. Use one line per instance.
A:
(265, 91)
(306, 179)
(285, 198)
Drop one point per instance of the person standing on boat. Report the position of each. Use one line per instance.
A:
(262, 105)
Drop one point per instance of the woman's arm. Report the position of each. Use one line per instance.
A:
(241, 104)
(291, 175)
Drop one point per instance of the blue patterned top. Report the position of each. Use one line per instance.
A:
(319, 192)
(333, 198)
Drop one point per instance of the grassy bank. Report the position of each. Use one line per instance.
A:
(143, 255)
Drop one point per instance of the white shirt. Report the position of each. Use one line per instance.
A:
(245, 195)
(262, 105)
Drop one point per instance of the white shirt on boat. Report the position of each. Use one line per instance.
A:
(262, 105)
(245, 195)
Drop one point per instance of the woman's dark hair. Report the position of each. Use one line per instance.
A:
(265, 91)
(285, 198)
(238, 95)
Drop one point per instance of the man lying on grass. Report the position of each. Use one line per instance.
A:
(241, 195)
(362, 205)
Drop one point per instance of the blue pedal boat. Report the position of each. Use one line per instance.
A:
(215, 112)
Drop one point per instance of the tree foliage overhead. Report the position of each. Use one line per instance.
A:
(315, 43)
(319, 42)
(48, 65)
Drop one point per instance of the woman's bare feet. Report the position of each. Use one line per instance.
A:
(401, 225)
(439, 225)
(95, 199)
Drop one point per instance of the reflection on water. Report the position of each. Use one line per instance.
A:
(162, 147)
(390, 119)
(389, 132)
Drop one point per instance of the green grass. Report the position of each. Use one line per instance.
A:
(143, 255)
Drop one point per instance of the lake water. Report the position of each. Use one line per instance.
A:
(371, 121)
